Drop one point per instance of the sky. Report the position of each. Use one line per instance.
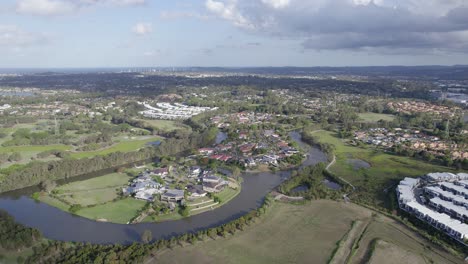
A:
(232, 33)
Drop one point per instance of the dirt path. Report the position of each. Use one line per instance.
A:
(341, 178)
(204, 207)
(331, 163)
(191, 205)
(281, 197)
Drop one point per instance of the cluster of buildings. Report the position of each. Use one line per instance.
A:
(411, 139)
(4, 107)
(201, 182)
(251, 149)
(172, 111)
(439, 199)
(247, 118)
(45, 109)
(411, 107)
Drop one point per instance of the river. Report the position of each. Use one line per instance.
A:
(60, 225)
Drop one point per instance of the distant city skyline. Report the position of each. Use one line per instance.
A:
(231, 33)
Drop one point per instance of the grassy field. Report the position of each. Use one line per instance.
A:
(385, 168)
(300, 234)
(120, 212)
(36, 149)
(93, 191)
(163, 125)
(29, 152)
(388, 253)
(374, 117)
(395, 243)
(124, 146)
(99, 191)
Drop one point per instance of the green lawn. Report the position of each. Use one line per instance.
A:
(36, 149)
(120, 212)
(374, 117)
(93, 191)
(227, 194)
(164, 125)
(124, 146)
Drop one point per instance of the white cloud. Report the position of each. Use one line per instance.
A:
(181, 14)
(152, 53)
(229, 12)
(124, 2)
(277, 3)
(13, 36)
(142, 28)
(353, 24)
(64, 7)
(45, 7)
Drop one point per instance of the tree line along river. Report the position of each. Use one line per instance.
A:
(60, 225)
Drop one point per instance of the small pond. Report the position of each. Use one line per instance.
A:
(358, 164)
(331, 184)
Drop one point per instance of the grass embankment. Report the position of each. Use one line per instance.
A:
(374, 117)
(303, 234)
(385, 171)
(124, 146)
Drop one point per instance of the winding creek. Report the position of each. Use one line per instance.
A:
(60, 225)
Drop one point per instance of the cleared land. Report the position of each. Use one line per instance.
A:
(303, 234)
(374, 117)
(409, 244)
(120, 212)
(387, 253)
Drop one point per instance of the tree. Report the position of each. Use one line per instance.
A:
(147, 236)
(47, 185)
(184, 211)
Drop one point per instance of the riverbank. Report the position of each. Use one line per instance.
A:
(55, 223)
